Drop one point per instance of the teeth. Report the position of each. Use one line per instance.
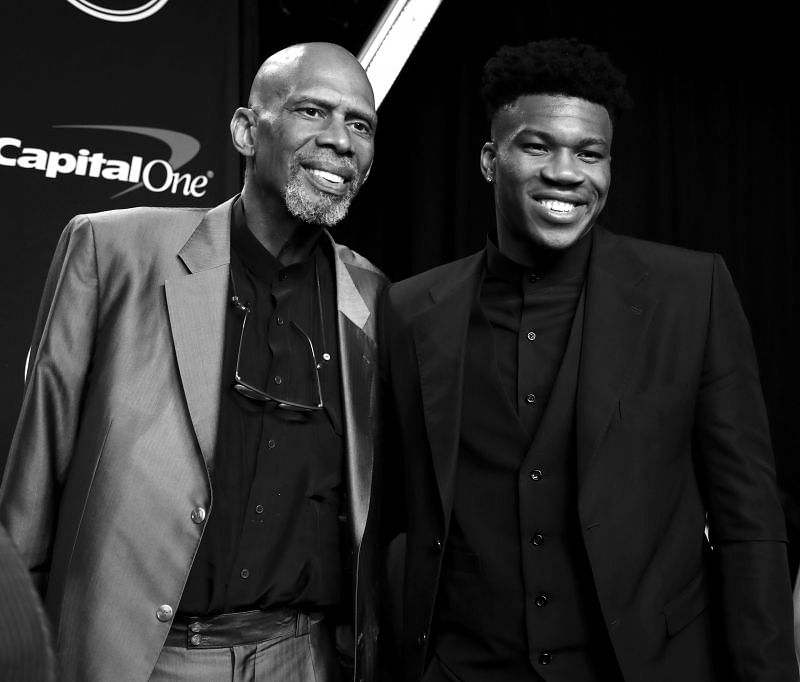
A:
(558, 206)
(330, 177)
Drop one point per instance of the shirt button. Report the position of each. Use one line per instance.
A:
(259, 509)
(271, 443)
(437, 544)
(536, 475)
(279, 320)
(537, 539)
(545, 658)
(530, 398)
(198, 515)
(278, 379)
(541, 601)
(245, 573)
(195, 640)
(164, 613)
(531, 335)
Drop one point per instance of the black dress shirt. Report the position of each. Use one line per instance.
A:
(273, 533)
(530, 310)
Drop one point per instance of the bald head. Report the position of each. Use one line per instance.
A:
(293, 65)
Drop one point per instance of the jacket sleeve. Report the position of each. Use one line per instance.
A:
(59, 362)
(745, 518)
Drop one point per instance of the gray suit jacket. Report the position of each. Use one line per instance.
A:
(114, 447)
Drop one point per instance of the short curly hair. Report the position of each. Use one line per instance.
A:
(559, 66)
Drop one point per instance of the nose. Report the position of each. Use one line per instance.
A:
(563, 168)
(336, 135)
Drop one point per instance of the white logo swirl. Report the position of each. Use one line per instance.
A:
(143, 11)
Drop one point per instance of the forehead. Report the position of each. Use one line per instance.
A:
(555, 115)
(334, 82)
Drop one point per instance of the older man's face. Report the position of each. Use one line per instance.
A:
(550, 159)
(314, 140)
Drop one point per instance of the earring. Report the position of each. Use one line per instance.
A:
(489, 178)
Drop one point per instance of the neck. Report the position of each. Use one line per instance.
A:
(284, 236)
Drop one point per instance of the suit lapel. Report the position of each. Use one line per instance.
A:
(355, 287)
(440, 334)
(619, 307)
(197, 304)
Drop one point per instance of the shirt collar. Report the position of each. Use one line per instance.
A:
(552, 267)
(257, 259)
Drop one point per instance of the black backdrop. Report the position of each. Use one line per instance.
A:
(705, 160)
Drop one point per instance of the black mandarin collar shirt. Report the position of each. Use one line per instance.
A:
(530, 311)
(273, 533)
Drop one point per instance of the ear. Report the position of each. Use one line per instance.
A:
(243, 125)
(488, 160)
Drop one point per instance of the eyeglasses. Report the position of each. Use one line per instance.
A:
(250, 391)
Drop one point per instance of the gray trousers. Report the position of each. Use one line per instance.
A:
(308, 657)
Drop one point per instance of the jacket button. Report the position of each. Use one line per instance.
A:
(537, 539)
(545, 658)
(437, 544)
(536, 475)
(164, 613)
(541, 600)
(195, 640)
(422, 638)
(198, 515)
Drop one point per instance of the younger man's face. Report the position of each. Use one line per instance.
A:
(550, 159)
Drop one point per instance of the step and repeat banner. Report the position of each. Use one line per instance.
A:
(105, 104)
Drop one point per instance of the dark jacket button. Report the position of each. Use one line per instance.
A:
(545, 658)
(422, 638)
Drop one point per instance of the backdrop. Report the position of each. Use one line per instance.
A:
(705, 160)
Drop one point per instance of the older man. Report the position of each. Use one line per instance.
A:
(190, 480)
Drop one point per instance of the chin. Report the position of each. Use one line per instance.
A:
(558, 239)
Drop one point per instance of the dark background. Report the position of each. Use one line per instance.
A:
(705, 160)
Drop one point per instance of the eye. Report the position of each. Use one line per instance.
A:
(534, 148)
(361, 127)
(312, 112)
(590, 156)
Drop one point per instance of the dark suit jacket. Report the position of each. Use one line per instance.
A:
(116, 437)
(671, 431)
(26, 654)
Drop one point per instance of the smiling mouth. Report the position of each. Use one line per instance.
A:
(563, 208)
(327, 175)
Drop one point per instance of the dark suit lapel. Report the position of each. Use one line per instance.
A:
(197, 306)
(440, 334)
(619, 307)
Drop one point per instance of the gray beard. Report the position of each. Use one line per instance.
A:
(311, 206)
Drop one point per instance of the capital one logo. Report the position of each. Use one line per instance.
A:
(157, 175)
(136, 13)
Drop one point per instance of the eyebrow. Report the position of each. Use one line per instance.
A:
(583, 142)
(323, 103)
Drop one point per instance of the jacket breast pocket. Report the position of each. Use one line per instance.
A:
(689, 603)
